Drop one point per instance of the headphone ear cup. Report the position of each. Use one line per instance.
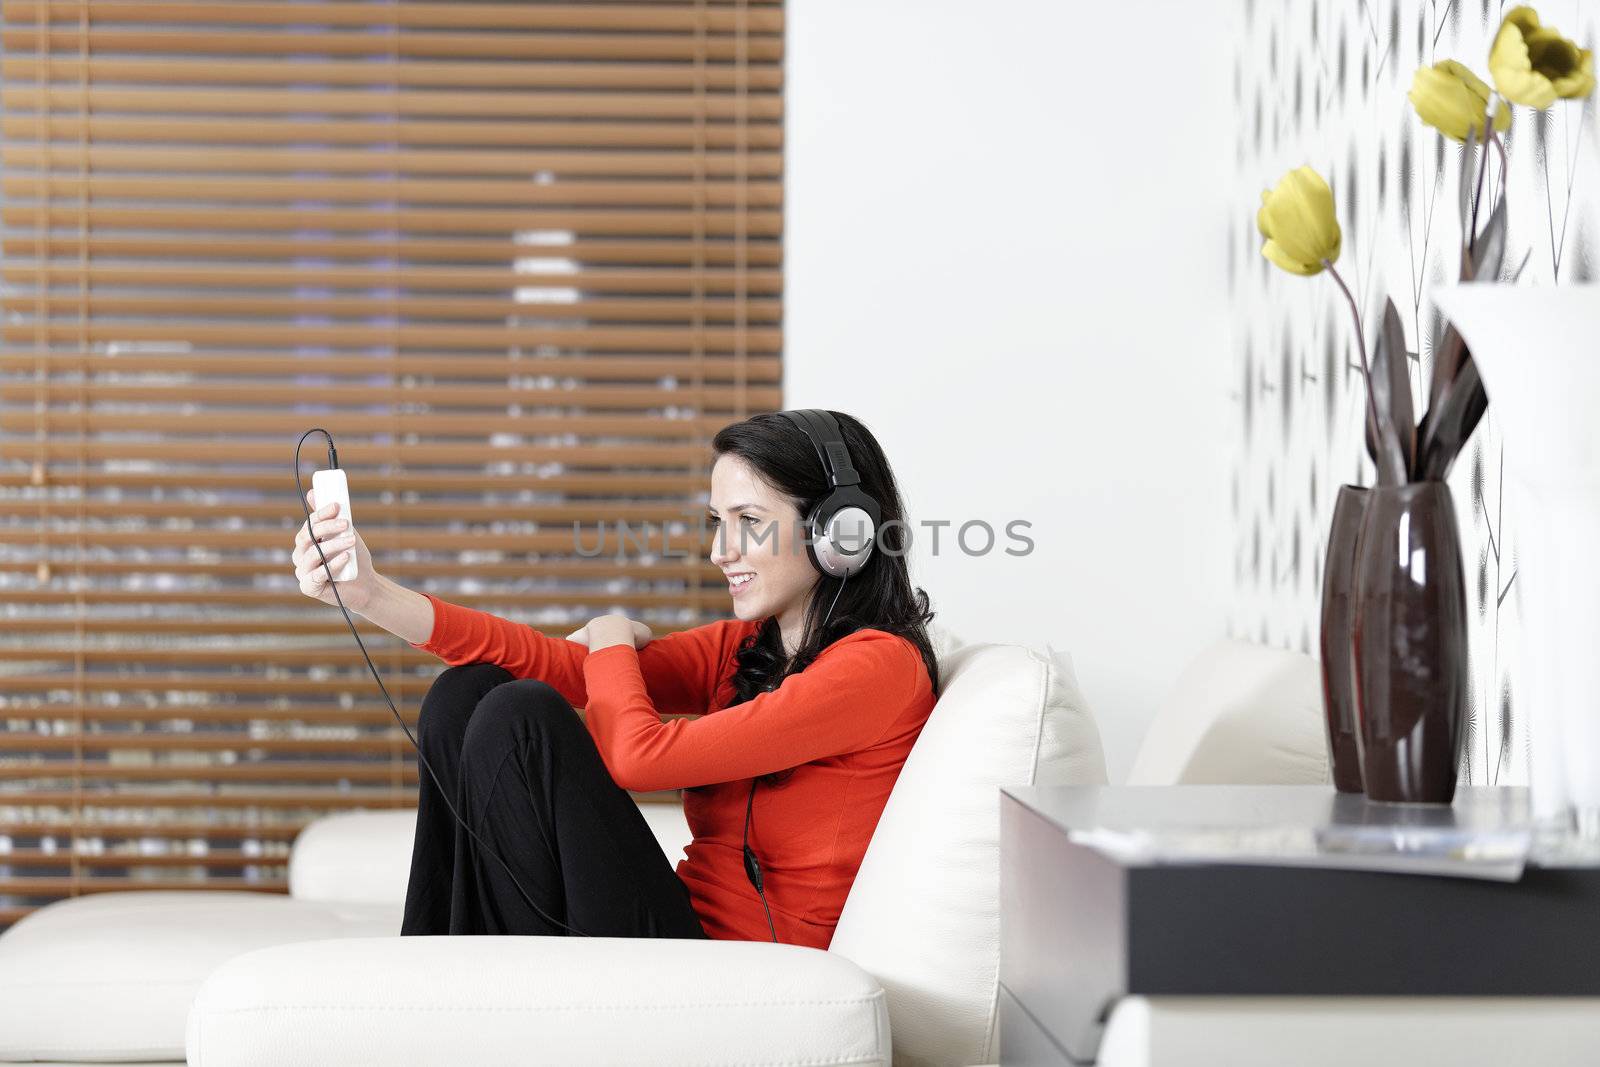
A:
(846, 542)
(813, 535)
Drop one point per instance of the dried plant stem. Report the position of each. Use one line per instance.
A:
(1500, 145)
(1361, 350)
(1483, 165)
(1477, 190)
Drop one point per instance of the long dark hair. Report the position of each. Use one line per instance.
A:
(878, 597)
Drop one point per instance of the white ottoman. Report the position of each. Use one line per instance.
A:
(108, 977)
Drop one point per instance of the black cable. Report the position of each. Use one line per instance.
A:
(751, 867)
(333, 464)
(829, 614)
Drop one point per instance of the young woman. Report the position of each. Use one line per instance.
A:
(816, 689)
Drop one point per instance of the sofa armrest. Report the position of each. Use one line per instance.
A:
(546, 1000)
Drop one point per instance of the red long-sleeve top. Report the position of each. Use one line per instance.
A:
(846, 723)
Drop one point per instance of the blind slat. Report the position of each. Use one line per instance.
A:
(375, 514)
(303, 713)
(32, 857)
(609, 338)
(212, 275)
(23, 886)
(173, 771)
(600, 366)
(582, 165)
(274, 597)
(693, 136)
(271, 801)
(596, 252)
(96, 800)
(217, 831)
(463, 425)
(367, 453)
(638, 222)
(700, 575)
(173, 70)
(752, 107)
(654, 17)
(618, 193)
(101, 743)
(523, 47)
(222, 540)
(339, 395)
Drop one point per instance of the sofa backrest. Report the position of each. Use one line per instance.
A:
(364, 857)
(923, 916)
(354, 857)
(1240, 714)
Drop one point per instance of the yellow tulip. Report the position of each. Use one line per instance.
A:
(1453, 100)
(1535, 65)
(1298, 221)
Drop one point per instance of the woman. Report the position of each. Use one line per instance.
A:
(817, 688)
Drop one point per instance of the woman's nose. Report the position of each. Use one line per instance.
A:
(719, 555)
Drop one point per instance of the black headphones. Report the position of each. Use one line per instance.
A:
(841, 532)
(843, 527)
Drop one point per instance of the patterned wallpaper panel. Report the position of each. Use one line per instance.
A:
(1325, 84)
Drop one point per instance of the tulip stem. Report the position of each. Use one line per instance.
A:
(1361, 350)
(1483, 165)
(1500, 146)
(1477, 192)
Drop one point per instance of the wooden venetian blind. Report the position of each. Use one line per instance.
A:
(522, 259)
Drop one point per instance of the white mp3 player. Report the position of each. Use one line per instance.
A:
(326, 488)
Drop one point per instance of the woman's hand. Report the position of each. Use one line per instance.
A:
(608, 630)
(337, 541)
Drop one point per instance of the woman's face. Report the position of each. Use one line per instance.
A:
(758, 532)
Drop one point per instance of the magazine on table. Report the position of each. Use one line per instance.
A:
(1498, 854)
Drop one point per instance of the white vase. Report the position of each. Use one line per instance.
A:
(1537, 349)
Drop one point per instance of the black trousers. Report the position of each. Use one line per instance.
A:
(523, 769)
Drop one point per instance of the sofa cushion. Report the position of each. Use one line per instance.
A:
(1240, 714)
(923, 916)
(489, 1000)
(109, 976)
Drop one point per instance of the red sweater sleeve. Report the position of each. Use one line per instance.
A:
(846, 700)
(682, 670)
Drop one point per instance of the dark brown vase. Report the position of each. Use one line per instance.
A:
(1338, 685)
(1410, 643)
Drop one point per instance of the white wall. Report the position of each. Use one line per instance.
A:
(1005, 254)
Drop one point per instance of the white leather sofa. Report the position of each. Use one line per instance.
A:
(321, 976)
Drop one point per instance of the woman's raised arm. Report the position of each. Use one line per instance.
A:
(405, 613)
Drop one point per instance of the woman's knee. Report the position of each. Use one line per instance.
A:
(448, 705)
(525, 704)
